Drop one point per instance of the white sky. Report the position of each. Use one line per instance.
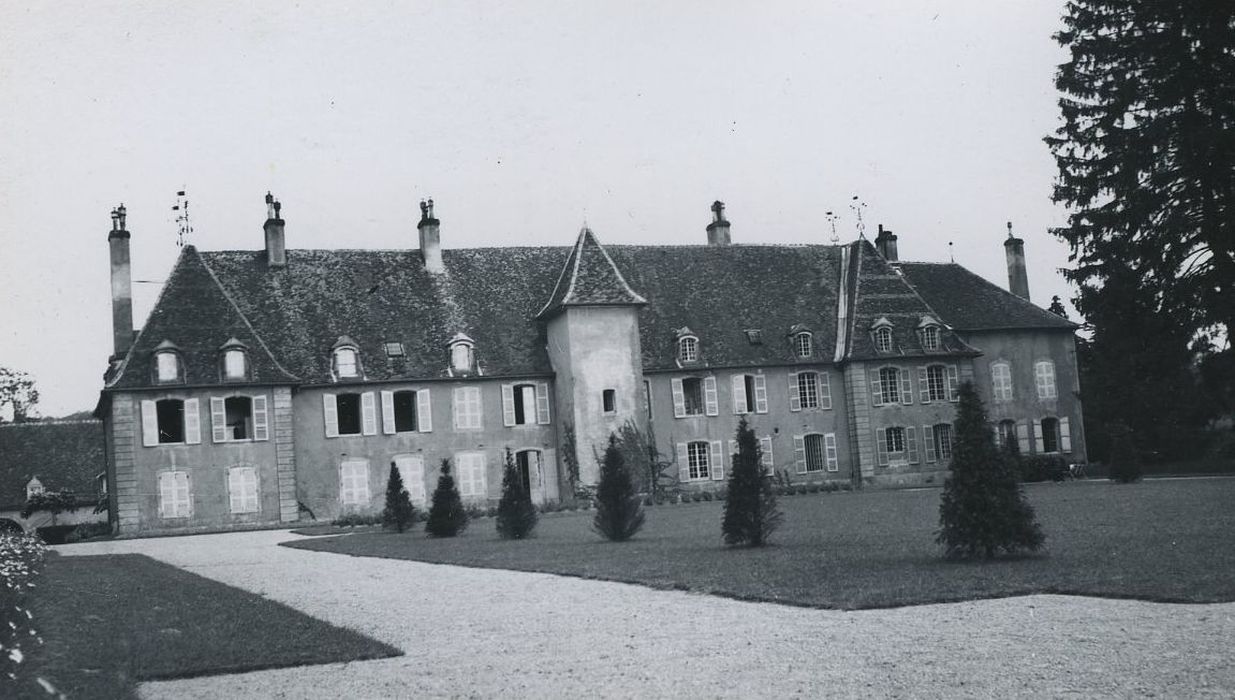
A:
(520, 119)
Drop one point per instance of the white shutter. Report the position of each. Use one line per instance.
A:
(412, 471)
(683, 463)
(1065, 436)
(166, 492)
(928, 441)
(738, 381)
(150, 423)
(906, 386)
(192, 422)
(911, 440)
(881, 446)
(1038, 445)
(717, 463)
(1022, 438)
(768, 460)
(542, 403)
(330, 413)
(679, 398)
(218, 419)
(799, 453)
(924, 387)
(424, 411)
(368, 413)
(388, 412)
(508, 405)
(761, 394)
(829, 449)
(711, 402)
(733, 453)
(261, 418)
(876, 389)
(953, 382)
(825, 390)
(795, 393)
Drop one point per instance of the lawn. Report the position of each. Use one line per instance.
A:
(110, 621)
(1156, 540)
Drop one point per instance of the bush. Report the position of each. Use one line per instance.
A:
(751, 515)
(619, 510)
(356, 519)
(399, 512)
(447, 517)
(55, 534)
(86, 531)
(21, 561)
(516, 514)
(983, 510)
(1125, 466)
(1033, 468)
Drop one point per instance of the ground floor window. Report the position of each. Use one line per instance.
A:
(697, 460)
(1007, 433)
(943, 441)
(242, 489)
(175, 500)
(814, 453)
(1050, 435)
(527, 465)
(471, 471)
(412, 472)
(354, 482)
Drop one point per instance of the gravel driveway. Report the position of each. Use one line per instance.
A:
(486, 633)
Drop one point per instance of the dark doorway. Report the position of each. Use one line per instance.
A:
(527, 463)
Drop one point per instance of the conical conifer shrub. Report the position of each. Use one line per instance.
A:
(516, 514)
(751, 514)
(447, 517)
(399, 512)
(619, 509)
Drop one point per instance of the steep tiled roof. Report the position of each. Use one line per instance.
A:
(590, 278)
(881, 292)
(64, 455)
(968, 302)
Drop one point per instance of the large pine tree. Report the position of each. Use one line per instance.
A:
(399, 512)
(751, 515)
(619, 509)
(516, 514)
(983, 511)
(447, 516)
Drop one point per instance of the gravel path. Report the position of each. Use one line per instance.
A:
(485, 633)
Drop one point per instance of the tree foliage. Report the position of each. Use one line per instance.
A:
(516, 514)
(18, 394)
(54, 502)
(983, 511)
(447, 516)
(751, 514)
(399, 512)
(652, 473)
(619, 509)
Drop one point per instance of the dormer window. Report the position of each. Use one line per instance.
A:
(167, 363)
(803, 344)
(235, 361)
(345, 358)
(462, 353)
(930, 338)
(688, 345)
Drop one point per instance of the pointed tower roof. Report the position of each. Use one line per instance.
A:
(590, 278)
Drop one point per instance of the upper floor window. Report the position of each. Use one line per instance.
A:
(462, 353)
(345, 414)
(239, 417)
(889, 385)
(883, 339)
(1044, 379)
(467, 408)
(808, 389)
(167, 366)
(519, 403)
(235, 364)
(930, 338)
(803, 345)
(346, 363)
(348, 412)
(692, 395)
(170, 416)
(688, 349)
(1001, 381)
(403, 406)
(936, 383)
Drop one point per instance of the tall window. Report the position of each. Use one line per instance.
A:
(170, 414)
(467, 408)
(688, 349)
(1044, 379)
(883, 339)
(412, 471)
(1007, 433)
(803, 345)
(815, 459)
(354, 482)
(175, 500)
(943, 441)
(345, 364)
(697, 460)
(239, 417)
(889, 385)
(937, 383)
(405, 411)
(167, 366)
(930, 338)
(692, 392)
(525, 404)
(808, 389)
(471, 466)
(242, 489)
(1001, 381)
(608, 401)
(235, 364)
(1050, 435)
(894, 441)
(748, 382)
(348, 407)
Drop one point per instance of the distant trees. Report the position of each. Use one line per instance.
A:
(399, 512)
(751, 515)
(447, 516)
(516, 514)
(619, 508)
(17, 394)
(983, 511)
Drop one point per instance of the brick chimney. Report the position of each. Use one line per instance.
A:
(885, 243)
(718, 230)
(430, 238)
(276, 254)
(1018, 278)
(121, 284)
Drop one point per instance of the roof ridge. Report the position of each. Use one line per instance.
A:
(1020, 300)
(621, 278)
(245, 319)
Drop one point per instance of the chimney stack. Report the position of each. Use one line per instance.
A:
(276, 254)
(718, 230)
(430, 238)
(121, 284)
(885, 243)
(1018, 278)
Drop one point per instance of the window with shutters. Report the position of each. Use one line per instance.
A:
(467, 408)
(692, 395)
(608, 401)
(404, 405)
(239, 417)
(527, 469)
(1044, 378)
(803, 344)
(242, 490)
(943, 441)
(883, 339)
(354, 482)
(471, 468)
(1007, 433)
(808, 389)
(170, 416)
(1050, 435)
(175, 499)
(168, 367)
(1001, 381)
(930, 338)
(525, 404)
(894, 442)
(346, 363)
(697, 460)
(348, 410)
(748, 404)
(815, 456)
(889, 385)
(937, 383)
(688, 348)
(412, 472)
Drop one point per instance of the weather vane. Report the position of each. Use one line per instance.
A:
(182, 219)
(857, 205)
(831, 218)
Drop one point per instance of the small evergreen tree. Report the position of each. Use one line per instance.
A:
(399, 512)
(447, 517)
(619, 509)
(751, 515)
(516, 514)
(983, 510)
(1125, 462)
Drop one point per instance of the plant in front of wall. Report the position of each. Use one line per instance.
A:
(447, 516)
(619, 509)
(399, 512)
(751, 514)
(516, 514)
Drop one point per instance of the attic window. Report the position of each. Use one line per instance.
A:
(930, 338)
(394, 350)
(688, 348)
(754, 336)
(883, 339)
(802, 345)
(167, 366)
(346, 364)
(462, 355)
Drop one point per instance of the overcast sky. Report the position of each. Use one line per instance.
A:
(521, 120)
